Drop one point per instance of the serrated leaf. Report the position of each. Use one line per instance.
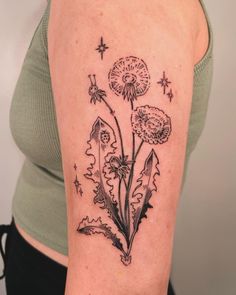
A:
(146, 184)
(110, 205)
(97, 227)
(102, 144)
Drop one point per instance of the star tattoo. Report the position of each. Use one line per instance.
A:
(77, 185)
(164, 82)
(75, 166)
(102, 48)
(170, 94)
(81, 192)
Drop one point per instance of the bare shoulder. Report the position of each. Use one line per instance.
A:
(159, 22)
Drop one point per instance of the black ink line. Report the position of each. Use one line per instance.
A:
(127, 205)
(119, 200)
(109, 107)
(118, 127)
(81, 192)
(77, 184)
(170, 94)
(125, 183)
(138, 150)
(102, 48)
(164, 82)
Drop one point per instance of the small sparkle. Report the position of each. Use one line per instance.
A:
(75, 166)
(164, 82)
(170, 94)
(77, 184)
(102, 48)
(81, 192)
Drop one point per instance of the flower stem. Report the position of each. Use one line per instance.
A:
(119, 199)
(135, 230)
(121, 139)
(116, 217)
(107, 104)
(127, 205)
(138, 150)
(118, 126)
(132, 104)
(125, 233)
(125, 183)
(131, 242)
(127, 210)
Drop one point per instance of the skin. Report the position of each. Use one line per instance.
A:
(170, 36)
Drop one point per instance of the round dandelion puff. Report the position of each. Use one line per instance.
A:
(151, 124)
(129, 77)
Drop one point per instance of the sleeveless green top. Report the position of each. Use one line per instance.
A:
(39, 203)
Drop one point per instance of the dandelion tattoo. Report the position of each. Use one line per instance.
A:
(129, 77)
(151, 124)
(125, 198)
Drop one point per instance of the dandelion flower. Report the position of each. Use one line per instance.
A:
(129, 77)
(151, 124)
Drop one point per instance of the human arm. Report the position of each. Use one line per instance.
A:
(99, 127)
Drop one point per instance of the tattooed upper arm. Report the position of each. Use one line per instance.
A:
(122, 112)
(118, 190)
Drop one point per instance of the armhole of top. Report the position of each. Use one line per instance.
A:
(201, 64)
(44, 27)
(35, 32)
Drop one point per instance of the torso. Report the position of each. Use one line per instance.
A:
(201, 48)
(58, 257)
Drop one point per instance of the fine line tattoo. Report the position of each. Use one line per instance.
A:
(102, 47)
(124, 196)
(170, 94)
(77, 184)
(164, 82)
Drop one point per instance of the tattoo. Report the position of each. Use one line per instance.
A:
(170, 94)
(164, 82)
(129, 77)
(95, 93)
(77, 184)
(124, 196)
(102, 48)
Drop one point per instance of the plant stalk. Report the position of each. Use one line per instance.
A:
(119, 199)
(118, 127)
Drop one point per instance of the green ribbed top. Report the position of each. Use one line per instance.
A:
(39, 203)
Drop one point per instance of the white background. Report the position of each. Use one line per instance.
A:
(204, 260)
